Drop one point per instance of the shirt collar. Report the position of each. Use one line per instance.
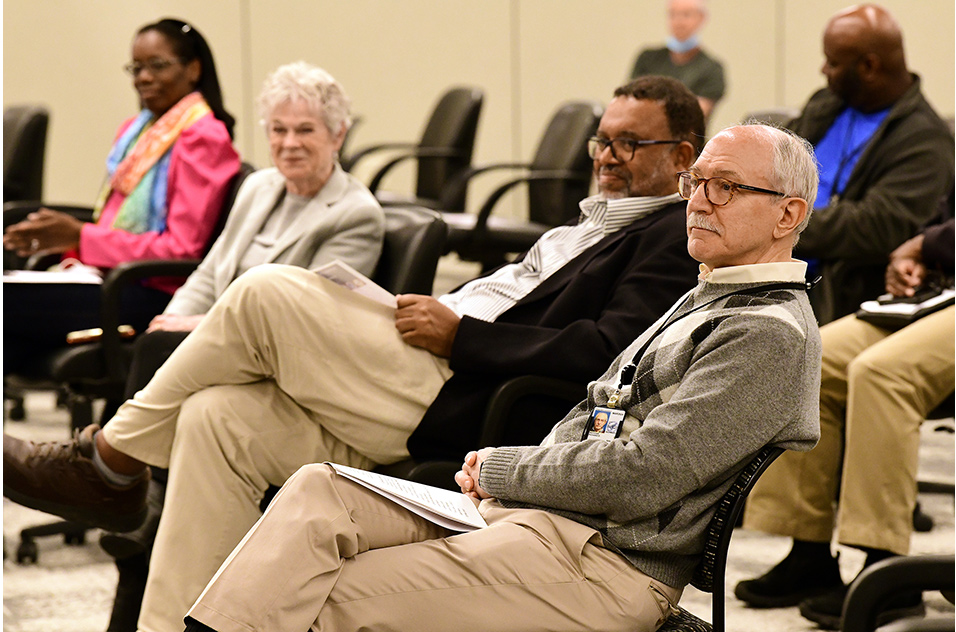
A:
(619, 212)
(793, 270)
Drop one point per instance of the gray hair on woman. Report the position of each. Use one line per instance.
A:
(301, 81)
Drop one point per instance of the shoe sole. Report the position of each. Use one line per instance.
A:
(117, 523)
(755, 600)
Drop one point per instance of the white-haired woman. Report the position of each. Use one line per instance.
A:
(306, 211)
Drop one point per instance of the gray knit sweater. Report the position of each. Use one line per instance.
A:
(710, 391)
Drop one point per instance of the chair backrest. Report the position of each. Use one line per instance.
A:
(24, 150)
(414, 240)
(563, 147)
(710, 572)
(245, 170)
(452, 127)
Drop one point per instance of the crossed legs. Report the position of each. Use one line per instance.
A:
(286, 369)
(333, 555)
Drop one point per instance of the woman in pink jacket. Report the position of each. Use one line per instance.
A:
(168, 173)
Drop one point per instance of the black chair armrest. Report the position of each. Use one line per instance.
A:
(507, 395)
(17, 211)
(349, 163)
(456, 188)
(481, 222)
(416, 152)
(898, 574)
(119, 278)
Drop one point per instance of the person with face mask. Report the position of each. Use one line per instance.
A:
(683, 58)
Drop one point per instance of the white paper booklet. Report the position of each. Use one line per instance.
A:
(452, 510)
(347, 276)
(80, 273)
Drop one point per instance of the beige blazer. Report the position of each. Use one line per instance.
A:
(343, 221)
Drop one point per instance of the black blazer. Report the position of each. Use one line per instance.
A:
(571, 326)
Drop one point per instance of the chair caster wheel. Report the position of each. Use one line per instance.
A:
(27, 552)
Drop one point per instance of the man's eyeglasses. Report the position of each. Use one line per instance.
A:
(718, 191)
(154, 66)
(621, 148)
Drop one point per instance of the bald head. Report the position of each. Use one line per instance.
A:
(865, 63)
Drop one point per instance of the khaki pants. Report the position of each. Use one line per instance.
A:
(877, 387)
(333, 555)
(286, 369)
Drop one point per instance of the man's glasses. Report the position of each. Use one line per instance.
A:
(154, 66)
(621, 148)
(718, 191)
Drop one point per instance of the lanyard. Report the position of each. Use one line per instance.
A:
(627, 373)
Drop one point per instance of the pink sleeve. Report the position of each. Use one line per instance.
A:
(202, 164)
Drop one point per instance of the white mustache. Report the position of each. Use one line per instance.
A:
(697, 220)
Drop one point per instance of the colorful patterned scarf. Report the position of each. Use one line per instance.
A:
(138, 165)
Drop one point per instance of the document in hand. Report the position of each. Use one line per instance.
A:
(347, 276)
(452, 510)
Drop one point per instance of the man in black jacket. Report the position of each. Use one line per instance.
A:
(886, 158)
(288, 369)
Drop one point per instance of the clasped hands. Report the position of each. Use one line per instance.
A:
(906, 271)
(467, 478)
(43, 230)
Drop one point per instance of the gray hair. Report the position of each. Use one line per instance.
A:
(795, 169)
(301, 81)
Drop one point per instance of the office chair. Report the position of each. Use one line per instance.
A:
(24, 150)
(877, 583)
(442, 154)
(711, 571)
(557, 179)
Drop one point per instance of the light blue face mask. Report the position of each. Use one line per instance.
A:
(676, 46)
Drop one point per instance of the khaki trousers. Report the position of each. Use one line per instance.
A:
(330, 554)
(877, 387)
(286, 369)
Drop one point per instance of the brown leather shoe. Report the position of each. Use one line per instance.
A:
(60, 478)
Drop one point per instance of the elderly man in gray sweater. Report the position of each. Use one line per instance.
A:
(588, 530)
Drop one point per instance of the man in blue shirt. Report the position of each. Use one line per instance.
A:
(886, 158)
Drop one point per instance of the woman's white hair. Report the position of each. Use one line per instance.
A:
(301, 81)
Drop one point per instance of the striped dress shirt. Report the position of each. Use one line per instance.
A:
(488, 297)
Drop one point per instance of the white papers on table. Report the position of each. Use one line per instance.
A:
(452, 510)
(77, 274)
(347, 276)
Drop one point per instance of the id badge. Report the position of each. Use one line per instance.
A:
(604, 424)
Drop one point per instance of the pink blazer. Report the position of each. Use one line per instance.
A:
(201, 167)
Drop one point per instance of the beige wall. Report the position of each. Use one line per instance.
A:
(395, 58)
